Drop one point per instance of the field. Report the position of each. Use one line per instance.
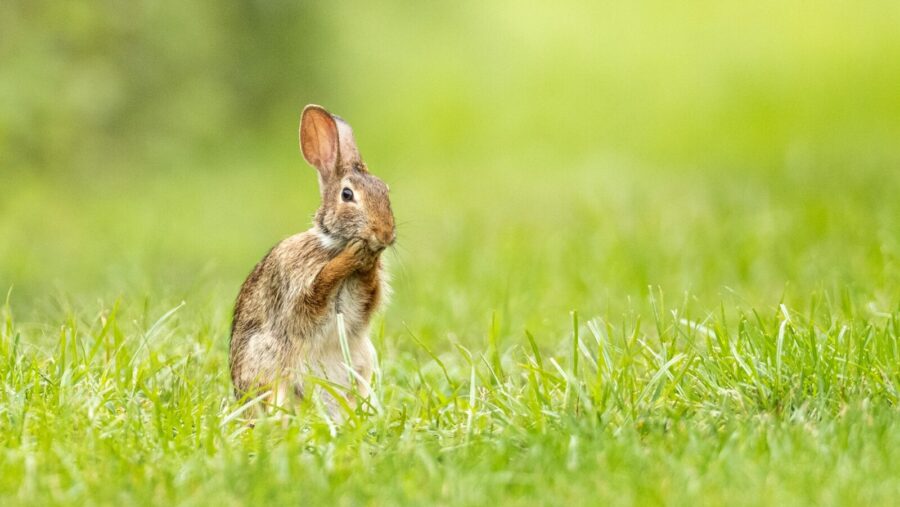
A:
(647, 254)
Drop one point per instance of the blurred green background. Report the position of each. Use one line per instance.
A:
(542, 157)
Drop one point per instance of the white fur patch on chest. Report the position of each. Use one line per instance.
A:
(349, 304)
(324, 340)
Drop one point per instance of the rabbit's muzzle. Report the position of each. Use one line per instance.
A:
(382, 238)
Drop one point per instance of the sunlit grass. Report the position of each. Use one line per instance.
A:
(793, 404)
(648, 253)
(733, 332)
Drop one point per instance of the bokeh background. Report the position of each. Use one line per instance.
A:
(543, 157)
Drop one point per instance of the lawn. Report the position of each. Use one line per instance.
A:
(645, 255)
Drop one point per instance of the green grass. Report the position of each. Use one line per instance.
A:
(648, 253)
(789, 406)
(733, 343)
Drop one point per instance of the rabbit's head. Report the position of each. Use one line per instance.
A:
(355, 203)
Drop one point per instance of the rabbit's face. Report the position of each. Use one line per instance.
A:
(358, 207)
(355, 203)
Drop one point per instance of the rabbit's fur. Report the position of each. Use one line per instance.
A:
(285, 323)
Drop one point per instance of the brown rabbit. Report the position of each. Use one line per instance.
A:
(285, 317)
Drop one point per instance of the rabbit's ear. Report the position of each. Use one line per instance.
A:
(347, 145)
(319, 141)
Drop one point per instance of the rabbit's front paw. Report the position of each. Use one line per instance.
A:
(360, 256)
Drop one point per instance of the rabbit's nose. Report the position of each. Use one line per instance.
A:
(385, 237)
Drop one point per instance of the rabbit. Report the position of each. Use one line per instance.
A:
(285, 317)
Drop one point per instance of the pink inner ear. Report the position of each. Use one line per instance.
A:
(318, 136)
(323, 148)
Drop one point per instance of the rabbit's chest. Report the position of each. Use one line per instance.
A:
(351, 304)
(324, 342)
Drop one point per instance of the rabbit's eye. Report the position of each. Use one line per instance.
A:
(347, 194)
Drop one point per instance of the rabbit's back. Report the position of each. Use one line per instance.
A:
(268, 318)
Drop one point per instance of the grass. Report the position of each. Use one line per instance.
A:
(791, 406)
(761, 368)
(648, 254)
